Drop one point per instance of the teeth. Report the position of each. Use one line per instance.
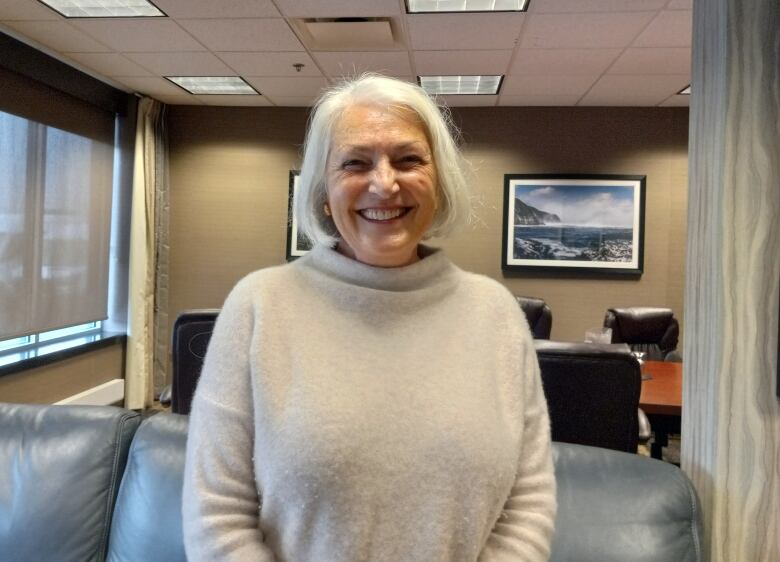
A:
(381, 214)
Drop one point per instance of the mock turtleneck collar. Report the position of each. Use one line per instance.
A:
(433, 268)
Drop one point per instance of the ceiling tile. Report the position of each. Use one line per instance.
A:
(435, 32)
(182, 64)
(292, 101)
(244, 34)
(109, 64)
(468, 101)
(583, 30)
(228, 100)
(270, 64)
(680, 5)
(338, 8)
(139, 35)
(592, 62)
(212, 9)
(540, 85)
(58, 35)
(461, 62)
(579, 6)
(534, 100)
(26, 10)
(669, 29)
(677, 101)
(653, 61)
(288, 86)
(627, 90)
(185, 99)
(151, 86)
(341, 64)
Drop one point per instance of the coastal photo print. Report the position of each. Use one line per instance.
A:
(297, 243)
(578, 223)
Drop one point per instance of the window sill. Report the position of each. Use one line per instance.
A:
(46, 353)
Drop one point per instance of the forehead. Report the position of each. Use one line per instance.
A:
(360, 124)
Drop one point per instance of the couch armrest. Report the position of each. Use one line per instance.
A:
(147, 522)
(621, 507)
(60, 468)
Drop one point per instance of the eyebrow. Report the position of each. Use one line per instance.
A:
(366, 148)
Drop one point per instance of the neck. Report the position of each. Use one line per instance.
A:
(379, 261)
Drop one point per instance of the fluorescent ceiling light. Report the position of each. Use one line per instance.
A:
(427, 6)
(685, 91)
(468, 85)
(104, 8)
(230, 85)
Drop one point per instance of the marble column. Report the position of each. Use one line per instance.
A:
(731, 414)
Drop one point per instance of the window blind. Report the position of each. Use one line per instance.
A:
(56, 162)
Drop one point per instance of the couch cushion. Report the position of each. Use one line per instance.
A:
(620, 507)
(60, 470)
(147, 518)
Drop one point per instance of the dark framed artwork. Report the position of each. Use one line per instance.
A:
(574, 222)
(297, 243)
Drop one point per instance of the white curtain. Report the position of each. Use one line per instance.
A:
(148, 265)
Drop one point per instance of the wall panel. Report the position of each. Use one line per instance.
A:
(229, 197)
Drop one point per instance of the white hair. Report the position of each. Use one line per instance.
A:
(454, 208)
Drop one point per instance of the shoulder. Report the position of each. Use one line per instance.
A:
(260, 282)
(488, 289)
(491, 302)
(256, 292)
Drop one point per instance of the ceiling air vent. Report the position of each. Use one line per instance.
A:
(350, 33)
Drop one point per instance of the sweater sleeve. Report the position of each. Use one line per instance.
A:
(220, 497)
(524, 529)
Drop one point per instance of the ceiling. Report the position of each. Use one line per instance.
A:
(559, 53)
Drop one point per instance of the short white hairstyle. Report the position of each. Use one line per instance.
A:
(454, 196)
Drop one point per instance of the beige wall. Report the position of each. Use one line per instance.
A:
(229, 181)
(59, 380)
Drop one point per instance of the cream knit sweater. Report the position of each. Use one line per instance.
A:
(351, 413)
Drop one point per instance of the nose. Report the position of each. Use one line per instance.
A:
(383, 179)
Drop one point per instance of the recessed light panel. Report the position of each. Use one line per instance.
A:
(428, 6)
(468, 85)
(685, 91)
(104, 8)
(230, 85)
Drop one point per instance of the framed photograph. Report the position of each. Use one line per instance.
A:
(576, 223)
(297, 243)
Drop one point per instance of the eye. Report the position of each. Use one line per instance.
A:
(352, 164)
(411, 160)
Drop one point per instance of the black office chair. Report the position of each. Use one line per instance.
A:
(539, 316)
(592, 393)
(191, 335)
(655, 331)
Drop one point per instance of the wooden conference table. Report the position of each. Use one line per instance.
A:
(661, 400)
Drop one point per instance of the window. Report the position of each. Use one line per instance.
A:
(36, 345)
(55, 209)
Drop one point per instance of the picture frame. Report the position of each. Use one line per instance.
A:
(576, 223)
(297, 243)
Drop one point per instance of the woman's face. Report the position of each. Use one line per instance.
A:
(381, 184)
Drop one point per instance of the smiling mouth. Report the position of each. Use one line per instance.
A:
(383, 214)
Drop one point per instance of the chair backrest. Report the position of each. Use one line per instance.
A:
(654, 331)
(592, 393)
(191, 335)
(539, 316)
(60, 469)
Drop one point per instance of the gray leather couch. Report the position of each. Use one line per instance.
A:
(95, 483)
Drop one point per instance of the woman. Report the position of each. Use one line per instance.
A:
(371, 401)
